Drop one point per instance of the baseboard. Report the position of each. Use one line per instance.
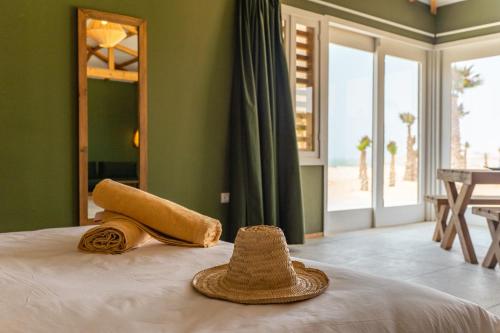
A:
(348, 220)
(314, 235)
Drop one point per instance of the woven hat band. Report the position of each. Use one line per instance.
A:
(260, 260)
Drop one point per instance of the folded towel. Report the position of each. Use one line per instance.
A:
(164, 220)
(116, 234)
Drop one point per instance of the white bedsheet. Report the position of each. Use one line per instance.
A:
(46, 285)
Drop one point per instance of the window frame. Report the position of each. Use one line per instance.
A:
(461, 52)
(415, 212)
(292, 16)
(366, 43)
(380, 214)
(444, 55)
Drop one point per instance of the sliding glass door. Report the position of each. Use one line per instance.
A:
(400, 113)
(401, 131)
(350, 137)
(374, 132)
(350, 158)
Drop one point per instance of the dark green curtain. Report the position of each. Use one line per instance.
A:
(265, 173)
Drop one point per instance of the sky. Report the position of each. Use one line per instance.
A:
(480, 126)
(351, 99)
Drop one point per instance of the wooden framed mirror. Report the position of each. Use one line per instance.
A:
(113, 105)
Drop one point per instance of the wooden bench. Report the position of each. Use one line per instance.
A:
(442, 210)
(492, 215)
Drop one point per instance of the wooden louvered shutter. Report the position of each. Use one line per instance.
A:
(305, 85)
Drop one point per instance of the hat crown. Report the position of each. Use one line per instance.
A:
(260, 260)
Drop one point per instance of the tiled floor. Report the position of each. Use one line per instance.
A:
(408, 253)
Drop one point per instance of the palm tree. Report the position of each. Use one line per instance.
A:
(392, 148)
(411, 154)
(463, 78)
(466, 148)
(364, 143)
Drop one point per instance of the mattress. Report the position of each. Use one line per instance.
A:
(46, 285)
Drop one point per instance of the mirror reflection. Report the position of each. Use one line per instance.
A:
(113, 136)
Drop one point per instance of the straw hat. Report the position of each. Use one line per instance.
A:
(261, 272)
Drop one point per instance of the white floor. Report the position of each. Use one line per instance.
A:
(408, 253)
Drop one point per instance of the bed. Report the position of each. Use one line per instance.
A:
(48, 286)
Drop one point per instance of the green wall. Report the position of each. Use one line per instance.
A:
(415, 15)
(112, 120)
(189, 91)
(467, 14)
(190, 46)
(312, 189)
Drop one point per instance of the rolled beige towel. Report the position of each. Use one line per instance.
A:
(162, 219)
(117, 234)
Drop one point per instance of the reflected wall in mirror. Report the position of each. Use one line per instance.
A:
(112, 103)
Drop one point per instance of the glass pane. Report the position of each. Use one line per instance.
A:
(350, 128)
(283, 31)
(401, 105)
(113, 122)
(475, 101)
(304, 86)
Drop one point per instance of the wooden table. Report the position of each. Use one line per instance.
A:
(459, 202)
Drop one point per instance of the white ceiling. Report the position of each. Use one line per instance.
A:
(442, 2)
(130, 42)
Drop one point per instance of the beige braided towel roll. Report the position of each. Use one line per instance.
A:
(116, 234)
(164, 220)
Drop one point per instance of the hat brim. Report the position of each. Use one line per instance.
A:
(310, 283)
